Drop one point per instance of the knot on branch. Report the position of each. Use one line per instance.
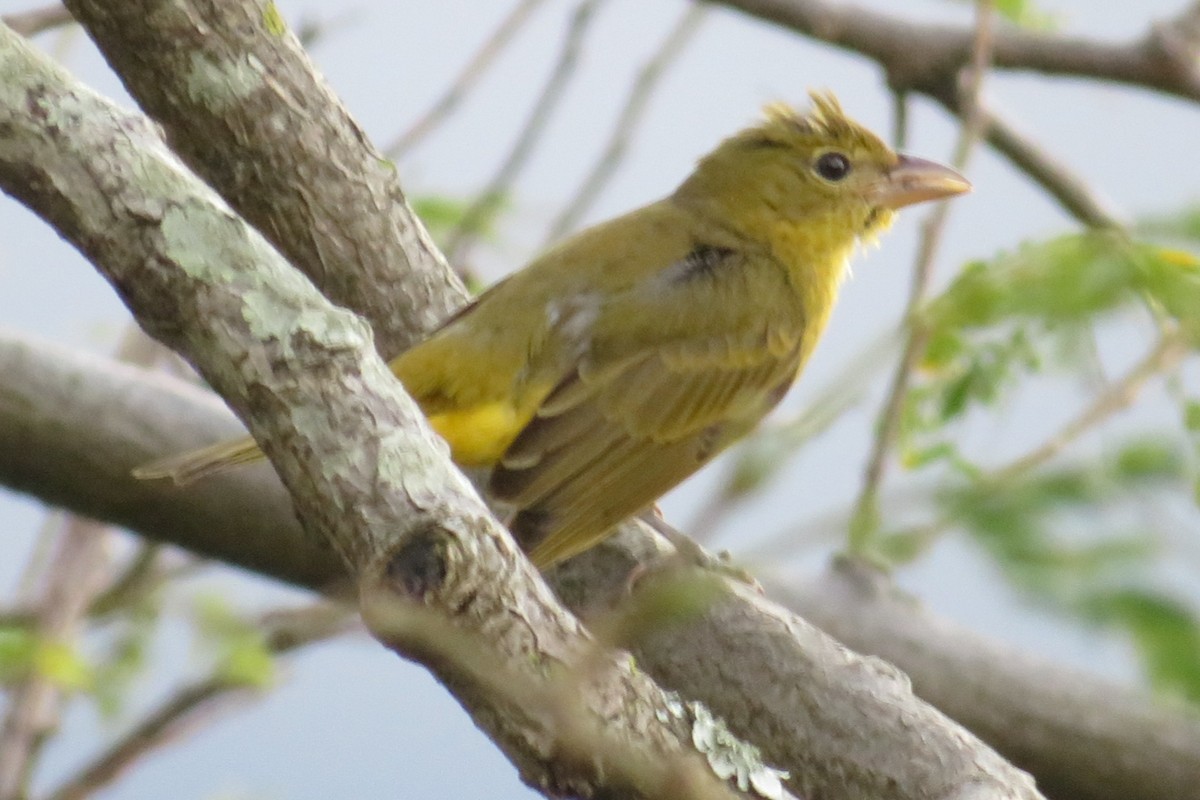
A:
(929, 71)
(418, 566)
(1175, 45)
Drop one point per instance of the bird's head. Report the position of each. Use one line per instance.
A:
(817, 175)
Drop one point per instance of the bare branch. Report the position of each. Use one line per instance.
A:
(918, 56)
(1083, 738)
(462, 84)
(635, 106)
(480, 213)
(337, 426)
(927, 59)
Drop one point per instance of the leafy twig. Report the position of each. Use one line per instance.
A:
(865, 518)
(1168, 352)
(69, 580)
(190, 705)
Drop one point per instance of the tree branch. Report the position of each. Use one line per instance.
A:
(66, 416)
(365, 472)
(243, 106)
(927, 58)
(192, 704)
(1083, 738)
(918, 56)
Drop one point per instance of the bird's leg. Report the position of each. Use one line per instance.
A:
(687, 553)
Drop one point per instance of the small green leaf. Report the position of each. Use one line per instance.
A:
(63, 665)
(242, 655)
(17, 648)
(248, 662)
(1183, 225)
(442, 215)
(22, 654)
(902, 547)
(1191, 415)
(1147, 460)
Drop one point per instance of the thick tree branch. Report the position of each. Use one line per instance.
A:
(920, 56)
(61, 408)
(244, 107)
(1084, 739)
(845, 722)
(365, 473)
(664, 663)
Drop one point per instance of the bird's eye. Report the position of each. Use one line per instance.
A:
(833, 166)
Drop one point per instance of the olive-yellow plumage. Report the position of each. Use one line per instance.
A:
(621, 360)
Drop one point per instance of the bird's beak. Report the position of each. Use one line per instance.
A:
(915, 180)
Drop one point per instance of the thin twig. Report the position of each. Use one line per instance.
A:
(69, 581)
(140, 576)
(1064, 186)
(647, 81)
(464, 81)
(1168, 352)
(197, 702)
(921, 58)
(476, 217)
(864, 521)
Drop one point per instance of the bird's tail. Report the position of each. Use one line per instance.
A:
(184, 468)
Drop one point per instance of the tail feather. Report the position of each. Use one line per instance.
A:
(185, 468)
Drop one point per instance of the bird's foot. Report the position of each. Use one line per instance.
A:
(687, 553)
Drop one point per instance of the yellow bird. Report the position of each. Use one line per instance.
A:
(623, 359)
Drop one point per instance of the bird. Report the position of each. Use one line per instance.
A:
(625, 357)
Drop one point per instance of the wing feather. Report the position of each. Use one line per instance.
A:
(612, 438)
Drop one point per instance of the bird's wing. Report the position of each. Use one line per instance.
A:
(626, 425)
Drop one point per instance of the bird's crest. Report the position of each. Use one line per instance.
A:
(824, 120)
